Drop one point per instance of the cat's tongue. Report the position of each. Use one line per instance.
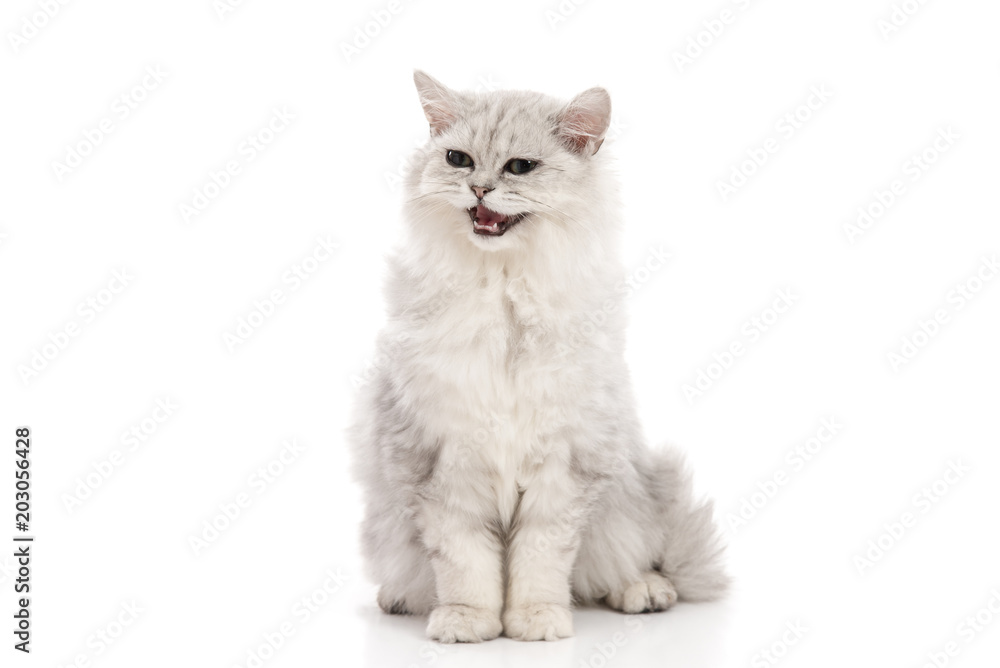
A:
(488, 217)
(487, 221)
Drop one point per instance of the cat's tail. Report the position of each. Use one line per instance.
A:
(692, 556)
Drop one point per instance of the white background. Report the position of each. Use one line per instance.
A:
(679, 130)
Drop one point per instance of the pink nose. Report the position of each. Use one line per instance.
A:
(480, 191)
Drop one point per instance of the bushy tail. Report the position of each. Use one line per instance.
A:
(692, 557)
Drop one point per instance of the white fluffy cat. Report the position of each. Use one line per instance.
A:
(503, 464)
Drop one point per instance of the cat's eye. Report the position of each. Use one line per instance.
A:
(521, 166)
(458, 159)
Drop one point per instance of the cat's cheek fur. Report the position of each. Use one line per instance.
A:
(504, 468)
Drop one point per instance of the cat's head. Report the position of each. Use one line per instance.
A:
(503, 167)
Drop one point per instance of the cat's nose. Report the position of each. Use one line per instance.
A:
(480, 191)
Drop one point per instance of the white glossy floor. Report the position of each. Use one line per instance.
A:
(797, 603)
(688, 635)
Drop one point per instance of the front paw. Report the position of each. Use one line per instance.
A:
(462, 623)
(538, 622)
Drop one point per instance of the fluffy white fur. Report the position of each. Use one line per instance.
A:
(503, 464)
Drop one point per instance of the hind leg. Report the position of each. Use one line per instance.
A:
(399, 563)
(654, 544)
(410, 594)
(617, 568)
(618, 554)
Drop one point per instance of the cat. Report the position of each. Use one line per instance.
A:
(504, 470)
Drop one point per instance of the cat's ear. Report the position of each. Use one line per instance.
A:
(440, 102)
(585, 120)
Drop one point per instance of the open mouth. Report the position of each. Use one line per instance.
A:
(491, 223)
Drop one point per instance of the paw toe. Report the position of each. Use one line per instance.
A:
(462, 623)
(538, 622)
(652, 593)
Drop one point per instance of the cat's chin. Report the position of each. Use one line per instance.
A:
(494, 242)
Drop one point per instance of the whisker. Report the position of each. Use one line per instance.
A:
(439, 183)
(419, 197)
(535, 201)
